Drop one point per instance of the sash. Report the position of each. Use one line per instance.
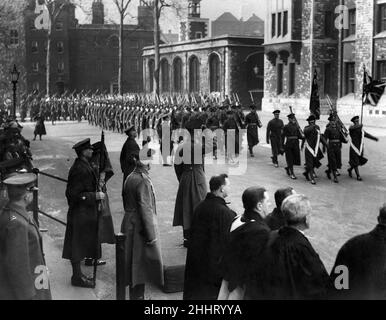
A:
(315, 151)
(360, 151)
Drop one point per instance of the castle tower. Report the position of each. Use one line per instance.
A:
(145, 16)
(98, 12)
(194, 27)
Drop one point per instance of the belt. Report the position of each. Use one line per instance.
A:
(335, 141)
(293, 138)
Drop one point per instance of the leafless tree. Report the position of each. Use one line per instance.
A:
(158, 7)
(122, 6)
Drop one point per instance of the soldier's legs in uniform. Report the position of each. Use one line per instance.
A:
(137, 292)
(275, 147)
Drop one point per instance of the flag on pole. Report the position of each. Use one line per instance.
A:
(372, 90)
(315, 100)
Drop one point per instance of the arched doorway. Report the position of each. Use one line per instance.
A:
(255, 77)
(177, 75)
(151, 75)
(165, 87)
(214, 73)
(194, 74)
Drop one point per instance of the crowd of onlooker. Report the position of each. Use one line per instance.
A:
(262, 255)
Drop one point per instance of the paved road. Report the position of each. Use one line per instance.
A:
(340, 211)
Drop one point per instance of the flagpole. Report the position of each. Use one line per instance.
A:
(363, 91)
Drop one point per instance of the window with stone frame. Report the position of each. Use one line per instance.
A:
(285, 23)
(60, 46)
(381, 17)
(351, 22)
(273, 26)
(279, 26)
(350, 77)
(291, 78)
(13, 37)
(34, 47)
(198, 35)
(382, 70)
(279, 78)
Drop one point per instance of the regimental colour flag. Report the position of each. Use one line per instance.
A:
(315, 101)
(372, 90)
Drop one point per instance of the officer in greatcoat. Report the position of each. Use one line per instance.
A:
(253, 122)
(81, 239)
(129, 153)
(274, 132)
(23, 271)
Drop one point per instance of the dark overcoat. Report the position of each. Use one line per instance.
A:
(81, 232)
(192, 187)
(293, 269)
(365, 258)
(312, 158)
(208, 238)
(40, 128)
(144, 262)
(357, 135)
(21, 256)
(130, 152)
(335, 138)
(253, 123)
(291, 136)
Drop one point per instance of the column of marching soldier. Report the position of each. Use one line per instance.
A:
(135, 114)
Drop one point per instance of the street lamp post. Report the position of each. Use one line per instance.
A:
(14, 78)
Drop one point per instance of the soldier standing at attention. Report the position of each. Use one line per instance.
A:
(129, 153)
(290, 137)
(23, 272)
(274, 133)
(253, 123)
(357, 142)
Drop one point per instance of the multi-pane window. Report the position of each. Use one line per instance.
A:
(285, 23)
(34, 47)
(292, 77)
(273, 27)
(61, 67)
(60, 46)
(198, 35)
(382, 17)
(279, 24)
(350, 77)
(279, 78)
(14, 37)
(35, 66)
(382, 70)
(351, 22)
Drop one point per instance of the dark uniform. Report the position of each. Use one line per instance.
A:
(23, 272)
(253, 123)
(334, 138)
(357, 135)
(274, 134)
(290, 137)
(129, 153)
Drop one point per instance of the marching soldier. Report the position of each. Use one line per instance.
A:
(274, 134)
(313, 154)
(334, 139)
(357, 135)
(290, 137)
(253, 123)
(23, 271)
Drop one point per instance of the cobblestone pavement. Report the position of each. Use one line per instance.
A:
(340, 211)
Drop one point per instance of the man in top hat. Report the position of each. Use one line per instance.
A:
(274, 133)
(357, 135)
(290, 137)
(313, 154)
(334, 139)
(81, 238)
(253, 123)
(129, 153)
(23, 271)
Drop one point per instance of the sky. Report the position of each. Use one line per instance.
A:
(211, 9)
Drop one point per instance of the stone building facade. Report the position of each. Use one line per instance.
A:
(85, 56)
(227, 64)
(299, 38)
(363, 43)
(194, 26)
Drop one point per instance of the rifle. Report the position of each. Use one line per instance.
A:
(253, 101)
(334, 111)
(297, 123)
